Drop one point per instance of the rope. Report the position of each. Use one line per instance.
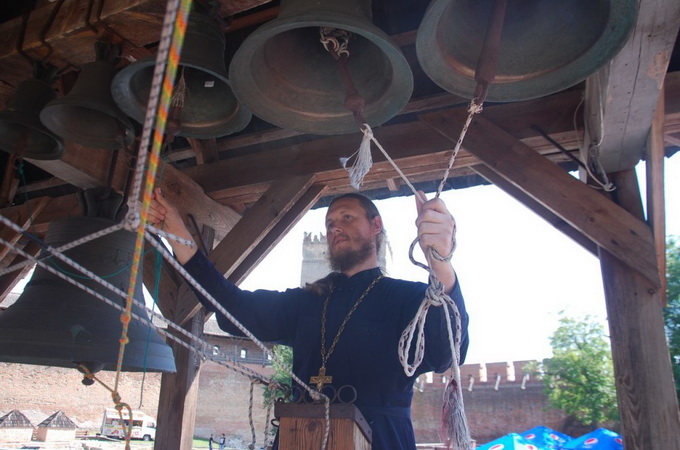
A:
(314, 394)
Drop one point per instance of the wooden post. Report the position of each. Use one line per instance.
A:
(179, 391)
(644, 383)
(302, 427)
(179, 395)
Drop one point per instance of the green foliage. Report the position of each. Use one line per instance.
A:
(672, 311)
(281, 364)
(579, 378)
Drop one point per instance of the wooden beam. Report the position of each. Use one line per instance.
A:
(9, 280)
(205, 150)
(252, 229)
(528, 201)
(656, 209)
(601, 220)
(281, 229)
(136, 23)
(642, 366)
(627, 90)
(179, 396)
(23, 216)
(258, 221)
(646, 395)
(190, 198)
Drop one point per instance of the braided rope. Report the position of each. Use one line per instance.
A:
(315, 395)
(174, 25)
(63, 248)
(203, 346)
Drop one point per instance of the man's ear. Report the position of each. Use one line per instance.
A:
(377, 224)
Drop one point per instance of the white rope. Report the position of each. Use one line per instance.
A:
(164, 44)
(201, 350)
(316, 395)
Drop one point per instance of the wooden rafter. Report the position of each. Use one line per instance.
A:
(592, 214)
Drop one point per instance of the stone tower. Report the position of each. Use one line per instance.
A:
(315, 260)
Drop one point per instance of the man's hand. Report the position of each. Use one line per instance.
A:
(164, 215)
(436, 230)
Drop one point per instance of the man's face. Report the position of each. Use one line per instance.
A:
(350, 234)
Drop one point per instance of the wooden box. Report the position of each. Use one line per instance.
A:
(301, 427)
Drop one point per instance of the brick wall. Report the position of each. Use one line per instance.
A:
(40, 391)
(493, 409)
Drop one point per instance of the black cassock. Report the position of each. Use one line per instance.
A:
(366, 354)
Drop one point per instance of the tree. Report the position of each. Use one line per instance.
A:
(672, 311)
(282, 363)
(579, 378)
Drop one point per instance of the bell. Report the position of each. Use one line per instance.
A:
(284, 74)
(54, 323)
(209, 108)
(88, 115)
(20, 123)
(546, 46)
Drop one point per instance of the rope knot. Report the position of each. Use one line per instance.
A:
(131, 221)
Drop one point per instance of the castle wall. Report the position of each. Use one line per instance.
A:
(496, 403)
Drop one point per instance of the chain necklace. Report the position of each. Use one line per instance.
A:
(322, 378)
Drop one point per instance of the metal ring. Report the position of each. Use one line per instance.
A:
(353, 391)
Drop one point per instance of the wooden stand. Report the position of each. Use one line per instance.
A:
(302, 427)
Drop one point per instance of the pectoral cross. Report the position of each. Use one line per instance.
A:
(321, 379)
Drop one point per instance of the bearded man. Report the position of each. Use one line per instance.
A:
(345, 328)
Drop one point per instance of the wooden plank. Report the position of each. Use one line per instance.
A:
(251, 230)
(23, 216)
(601, 220)
(190, 198)
(628, 89)
(9, 280)
(281, 229)
(137, 23)
(302, 427)
(528, 201)
(205, 150)
(259, 220)
(82, 167)
(656, 209)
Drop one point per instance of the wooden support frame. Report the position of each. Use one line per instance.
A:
(644, 378)
(645, 388)
(601, 220)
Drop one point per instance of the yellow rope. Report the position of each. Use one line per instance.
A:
(179, 29)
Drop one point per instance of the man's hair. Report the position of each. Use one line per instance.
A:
(371, 212)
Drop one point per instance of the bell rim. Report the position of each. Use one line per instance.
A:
(236, 121)
(24, 120)
(458, 84)
(399, 97)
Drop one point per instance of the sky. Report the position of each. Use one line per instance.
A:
(517, 272)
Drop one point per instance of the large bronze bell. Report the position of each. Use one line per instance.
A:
(546, 46)
(209, 107)
(284, 74)
(20, 124)
(88, 115)
(55, 323)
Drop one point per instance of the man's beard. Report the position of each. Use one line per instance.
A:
(349, 258)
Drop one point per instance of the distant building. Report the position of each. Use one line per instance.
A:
(15, 427)
(57, 427)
